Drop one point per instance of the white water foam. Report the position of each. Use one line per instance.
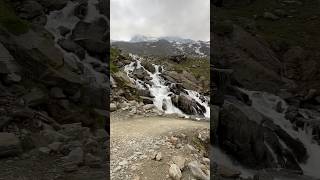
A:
(160, 91)
(265, 103)
(223, 159)
(66, 18)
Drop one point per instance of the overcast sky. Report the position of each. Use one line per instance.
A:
(183, 18)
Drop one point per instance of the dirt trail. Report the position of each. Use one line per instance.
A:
(134, 141)
(152, 126)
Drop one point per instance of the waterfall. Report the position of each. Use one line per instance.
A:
(161, 91)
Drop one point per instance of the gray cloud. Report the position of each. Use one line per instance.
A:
(183, 18)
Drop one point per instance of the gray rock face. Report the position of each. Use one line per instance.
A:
(75, 156)
(7, 62)
(9, 145)
(254, 139)
(30, 9)
(93, 31)
(73, 47)
(188, 105)
(35, 97)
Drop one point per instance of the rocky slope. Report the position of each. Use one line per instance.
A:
(51, 68)
(264, 46)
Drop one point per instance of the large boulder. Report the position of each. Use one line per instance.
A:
(95, 30)
(188, 105)
(71, 46)
(256, 140)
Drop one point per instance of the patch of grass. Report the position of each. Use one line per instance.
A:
(10, 21)
(197, 66)
(113, 68)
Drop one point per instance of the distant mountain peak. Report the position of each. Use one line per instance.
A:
(142, 38)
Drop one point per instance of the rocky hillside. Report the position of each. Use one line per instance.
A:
(174, 74)
(165, 47)
(53, 89)
(271, 49)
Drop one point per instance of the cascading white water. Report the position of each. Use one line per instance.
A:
(160, 90)
(265, 103)
(66, 18)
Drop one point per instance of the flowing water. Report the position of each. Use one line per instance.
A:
(66, 18)
(161, 91)
(266, 103)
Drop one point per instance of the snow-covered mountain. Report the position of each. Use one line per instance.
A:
(163, 46)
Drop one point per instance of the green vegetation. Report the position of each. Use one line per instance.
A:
(10, 21)
(197, 66)
(114, 54)
(301, 27)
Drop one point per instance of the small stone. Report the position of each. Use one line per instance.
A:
(70, 167)
(123, 163)
(158, 156)
(206, 161)
(55, 146)
(174, 172)
(12, 78)
(269, 15)
(113, 107)
(44, 150)
(173, 140)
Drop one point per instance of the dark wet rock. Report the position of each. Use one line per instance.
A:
(35, 97)
(146, 100)
(144, 92)
(188, 105)
(71, 46)
(30, 9)
(64, 30)
(140, 73)
(148, 66)
(9, 145)
(76, 156)
(177, 88)
(94, 47)
(81, 10)
(92, 161)
(94, 31)
(53, 5)
(270, 16)
(178, 58)
(253, 139)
